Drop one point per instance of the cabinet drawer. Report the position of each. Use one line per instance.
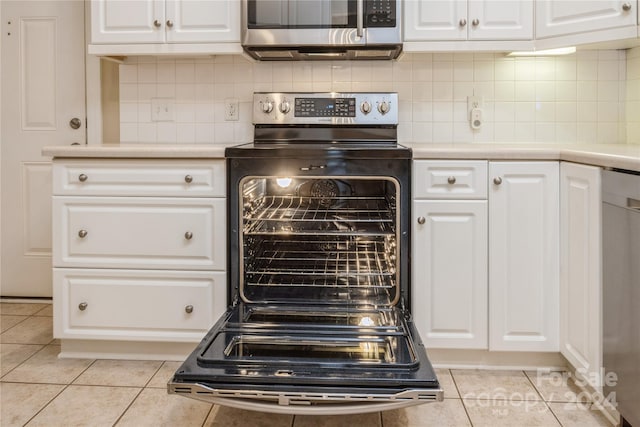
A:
(136, 305)
(139, 232)
(433, 179)
(139, 178)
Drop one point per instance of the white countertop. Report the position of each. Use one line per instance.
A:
(623, 156)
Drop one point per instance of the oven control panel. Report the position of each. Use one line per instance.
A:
(325, 108)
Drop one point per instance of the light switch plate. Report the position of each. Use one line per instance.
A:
(162, 109)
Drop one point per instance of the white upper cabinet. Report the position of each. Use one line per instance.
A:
(565, 17)
(434, 20)
(127, 21)
(202, 21)
(163, 21)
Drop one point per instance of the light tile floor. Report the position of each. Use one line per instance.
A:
(38, 389)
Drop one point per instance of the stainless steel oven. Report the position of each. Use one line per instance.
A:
(321, 29)
(319, 284)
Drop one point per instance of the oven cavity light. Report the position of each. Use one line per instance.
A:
(284, 182)
(366, 321)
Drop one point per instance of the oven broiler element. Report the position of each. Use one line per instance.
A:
(319, 284)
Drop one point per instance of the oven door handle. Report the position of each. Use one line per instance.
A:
(312, 167)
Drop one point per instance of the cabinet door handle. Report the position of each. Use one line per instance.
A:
(463, 22)
(475, 22)
(170, 23)
(188, 235)
(82, 177)
(82, 306)
(188, 309)
(82, 233)
(157, 23)
(421, 220)
(626, 7)
(188, 179)
(451, 180)
(497, 180)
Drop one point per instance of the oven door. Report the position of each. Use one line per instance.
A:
(310, 360)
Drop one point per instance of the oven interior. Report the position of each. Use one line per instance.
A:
(321, 241)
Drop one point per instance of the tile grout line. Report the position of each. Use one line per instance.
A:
(209, 414)
(460, 396)
(542, 398)
(47, 404)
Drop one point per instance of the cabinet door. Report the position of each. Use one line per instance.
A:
(435, 20)
(449, 270)
(203, 21)
(562, 17)
(580, 278)
(116, 21)
(501, 20)
(524, 256)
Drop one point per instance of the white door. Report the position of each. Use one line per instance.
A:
(435, 20)
(449, 271)
(524, 256)
(580, 278)
(562, 17)
(43, 89)
(501, 20)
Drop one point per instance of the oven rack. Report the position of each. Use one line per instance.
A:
(322, 263)
(323, 209)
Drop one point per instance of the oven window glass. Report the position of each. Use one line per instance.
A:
(319, 240)
(288, 14)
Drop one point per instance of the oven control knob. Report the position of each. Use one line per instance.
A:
(365, 107)
(267, 107)
(384, 107)
(285, 107)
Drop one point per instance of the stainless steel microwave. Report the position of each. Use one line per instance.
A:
(321, 29)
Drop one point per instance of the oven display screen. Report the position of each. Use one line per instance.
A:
(325, 107)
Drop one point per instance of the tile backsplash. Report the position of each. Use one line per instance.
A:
(578, 98)
(633, 96)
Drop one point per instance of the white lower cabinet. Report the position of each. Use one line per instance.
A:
(131, 265)
(450, 272)
(524, 256)
(580, 277)
(485, 274)
(449, 262)
(153, 305)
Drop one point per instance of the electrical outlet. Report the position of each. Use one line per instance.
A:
(474, 108)
(231, 109)
(162, 109)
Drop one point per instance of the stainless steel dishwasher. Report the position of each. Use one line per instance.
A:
(621, 289)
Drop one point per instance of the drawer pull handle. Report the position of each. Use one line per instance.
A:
(82, 177)
(157, 23)
(626, 7)
(422, 220)
(188, 179)
(451, 180)
(475, 22)
(188, 309)
(497, 180)
(170, 23)
(82, 306)
(188, 235)
(82, 233)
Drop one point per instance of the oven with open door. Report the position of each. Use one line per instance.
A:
(319, 279)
